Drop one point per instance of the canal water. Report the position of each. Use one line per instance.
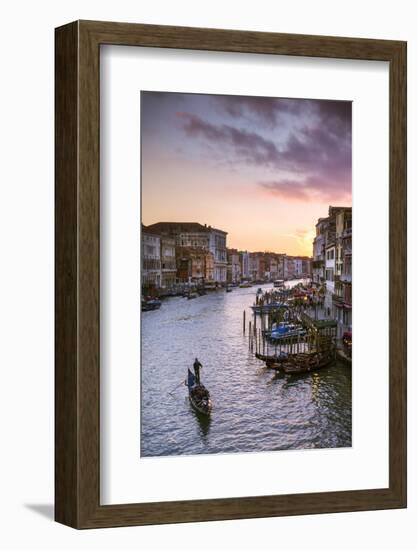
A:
(254, 408)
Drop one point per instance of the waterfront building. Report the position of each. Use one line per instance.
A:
(168, 263)
(196, 235)
(233, 266)
(319, 259)
(271, 267)
(332, 264)
(306, 269)
(298, 267)
(253, 266)
(330, 268)
(194, 265)
(150, 260)
(244, 264)
(342, 298)
(280, 266)
(217, 247)
(209, 266)
(343, 225)
(257, 266)
(289, 267)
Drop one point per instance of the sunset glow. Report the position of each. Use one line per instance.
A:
(262, 169)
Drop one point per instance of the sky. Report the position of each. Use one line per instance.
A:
(263, 169)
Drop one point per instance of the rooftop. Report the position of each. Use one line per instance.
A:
(174, 228)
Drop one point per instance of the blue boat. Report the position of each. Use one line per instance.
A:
(286, 330)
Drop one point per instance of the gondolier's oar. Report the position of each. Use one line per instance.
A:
(180, 384)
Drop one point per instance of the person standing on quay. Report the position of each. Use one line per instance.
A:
(197, 366)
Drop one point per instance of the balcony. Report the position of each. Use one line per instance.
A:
(337, 300)
(341, 301)
(346, 277)
(347, 232)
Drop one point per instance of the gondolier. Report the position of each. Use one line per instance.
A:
(197, 366)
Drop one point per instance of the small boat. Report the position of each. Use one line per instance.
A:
(228, 289)
(272, 361)
(199, 395)
(279, 283)
(276, 336)
(302, 363)
(192, 295)
(245, 285)
(150, 304)
(267, 307)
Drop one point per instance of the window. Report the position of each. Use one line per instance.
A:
(329, 275)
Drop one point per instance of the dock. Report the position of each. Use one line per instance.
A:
(287, 338)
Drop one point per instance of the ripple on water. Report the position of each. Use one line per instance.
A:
(254, 409)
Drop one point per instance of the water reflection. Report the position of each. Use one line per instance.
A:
(254, 408)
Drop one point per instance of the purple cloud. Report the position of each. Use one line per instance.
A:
(252, 146)
(311, 188)
(267, 109)
(315, 146)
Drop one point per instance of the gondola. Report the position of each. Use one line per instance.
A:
(305, 362)
(272, 361)
(150, 304)
(199, 395)
(268, 307)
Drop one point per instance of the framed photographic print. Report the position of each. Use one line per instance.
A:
(217, 192)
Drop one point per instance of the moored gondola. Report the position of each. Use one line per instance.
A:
(272, 361)
(301, 363)
(150, 304)
(264, 308)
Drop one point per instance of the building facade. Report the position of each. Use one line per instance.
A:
(194, 265)
(306, 267)
(257, 265)
(168, 263)
(330, 267)
(244, 265)
(217, 246)
(151, 260)
(319, 255)
(271, 267)
(233, 266)
(342, 299)
(280, 266)
(196, 235)
(298, 268)
(289, 267)
(332, 264)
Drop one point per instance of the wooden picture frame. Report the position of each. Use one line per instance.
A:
(77, 374)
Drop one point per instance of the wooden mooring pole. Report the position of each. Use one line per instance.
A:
(244, 321)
